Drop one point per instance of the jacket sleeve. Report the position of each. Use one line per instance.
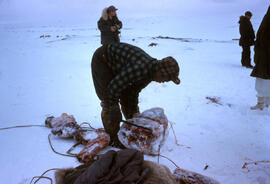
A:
(103, 25)
(251, 32)
(118, 22)
(125, 78)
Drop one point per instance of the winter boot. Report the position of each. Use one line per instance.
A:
(260, 104)
(249, 66)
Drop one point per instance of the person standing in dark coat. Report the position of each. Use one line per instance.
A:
(109, 26)
(120, 71)
(246, 39)
(262, 63)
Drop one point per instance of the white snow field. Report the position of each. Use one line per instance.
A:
(45, 69)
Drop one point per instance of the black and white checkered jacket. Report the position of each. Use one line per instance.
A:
(131, 66)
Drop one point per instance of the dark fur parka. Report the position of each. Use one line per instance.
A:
(262, 49)
(104, 25)
(246, 32)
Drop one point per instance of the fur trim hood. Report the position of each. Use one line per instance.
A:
(60, 175)
(243, 19)
(105, 14)
(158, 174)
(69, 175)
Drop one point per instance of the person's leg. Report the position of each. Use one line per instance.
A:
(246, 56)
(260, 95)
(102, 76)
(267, 101)
(129, 102)
(260, 104)
(111, 121)
(243, 56)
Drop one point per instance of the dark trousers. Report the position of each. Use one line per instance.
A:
(246, 60)
(102, 76)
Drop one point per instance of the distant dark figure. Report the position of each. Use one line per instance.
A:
(109, 26)
(247, 38)
(262, 63)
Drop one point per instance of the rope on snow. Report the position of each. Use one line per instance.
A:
(176, 141)
(71, 149)
(86, 123)
(44, 177)
(69, 155)
(22, 126)
(166, 158)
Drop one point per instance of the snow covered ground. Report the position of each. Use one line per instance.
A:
(42, 76)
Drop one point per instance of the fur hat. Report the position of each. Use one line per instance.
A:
(111, 9)
(169, 68)
(248, 13)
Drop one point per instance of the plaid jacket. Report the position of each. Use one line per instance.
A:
(131, 66)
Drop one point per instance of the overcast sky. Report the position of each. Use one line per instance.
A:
(58, 9)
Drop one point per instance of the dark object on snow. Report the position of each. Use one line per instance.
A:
(45, 36)
(94, 140)
(188, 177)
(114, 167)
(69, 175)
(246, 39)
(152, 44)
(64, 126)
(125, 167)
(214, 100)
(104, 25)
(180, 39)
(262, 49)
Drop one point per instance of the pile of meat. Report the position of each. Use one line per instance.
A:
(148, 134)
(94, 140)
(189, 177)
(142, 139)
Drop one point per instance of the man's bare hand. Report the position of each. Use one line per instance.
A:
(113, 29)
(118, 26)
